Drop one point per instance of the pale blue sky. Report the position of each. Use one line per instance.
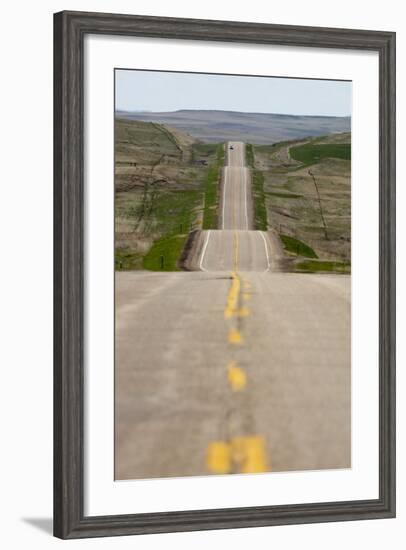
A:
(165, 91)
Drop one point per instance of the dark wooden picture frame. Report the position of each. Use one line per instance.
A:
(69, 31)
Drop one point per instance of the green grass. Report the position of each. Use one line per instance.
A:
(311, 153)
(211, 198)
(258, 194)
(220, 153)
(171, 216)
(312, 266)
(173, 211)
(211, 187)
(260, 214)
(164, 253)
(297, 247)
(249, 155)
(126, 260)
(174, 215)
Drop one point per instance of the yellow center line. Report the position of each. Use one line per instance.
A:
(232, 297)
(235, 336)
(243, 454)
(233, 309)
(249, 454)
(218, 458)
(236, 376)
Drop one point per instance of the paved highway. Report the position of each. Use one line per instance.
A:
(230, 249)
(235, 245)
(234, 368)
(235, 207)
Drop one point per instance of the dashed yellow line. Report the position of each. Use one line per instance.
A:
(245, 455)
(232, 296)
(242, 454)
(218, 459)
(235, 336)
(232, 308)
(236, 376)
(249, 454)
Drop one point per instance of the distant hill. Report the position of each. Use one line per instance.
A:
(260, 128)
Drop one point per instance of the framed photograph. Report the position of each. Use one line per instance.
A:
(224, 274)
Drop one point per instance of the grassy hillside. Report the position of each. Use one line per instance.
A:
(310, 153)
(307, 188)
(165, 186)
(258, 194)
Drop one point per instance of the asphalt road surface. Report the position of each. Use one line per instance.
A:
(235, 245)
(234, 206)
(234, 368)
(227, 250)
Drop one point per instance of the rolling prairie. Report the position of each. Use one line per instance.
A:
(306, 189)
(260, 128)
(168, 186)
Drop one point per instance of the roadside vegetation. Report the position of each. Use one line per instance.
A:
(297, 247)
(174, 213)
(306, 186)
(214, 153)
(258, 194)
(312, 266)
(166, 185)
(164, 253)
(314, 152)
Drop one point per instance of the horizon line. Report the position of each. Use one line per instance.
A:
(230, 111)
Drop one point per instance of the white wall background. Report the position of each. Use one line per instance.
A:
(26, 273)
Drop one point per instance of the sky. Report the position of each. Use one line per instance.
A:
(165, 91)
